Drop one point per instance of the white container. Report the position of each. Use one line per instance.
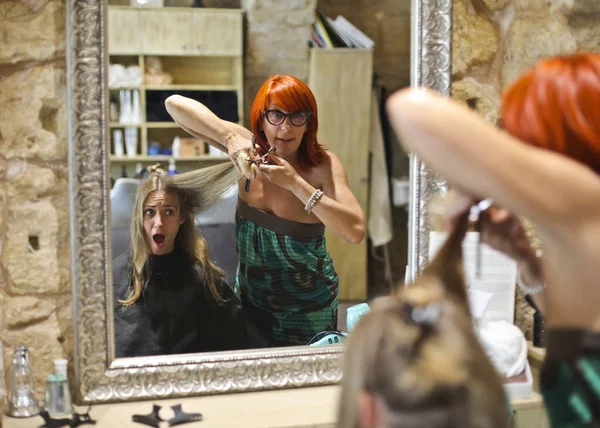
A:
(131, 141)
(136, 115)
(520, 390)
(213, 151)
(176, 147)
(123, 111)
(118, 142)
(400, 188)
(60, 366)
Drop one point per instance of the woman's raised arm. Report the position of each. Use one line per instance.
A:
(198, 120)
(482, 161)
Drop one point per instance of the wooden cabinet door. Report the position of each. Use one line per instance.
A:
(341, 82)
(165, 32)
(217, 33)
(123, 31)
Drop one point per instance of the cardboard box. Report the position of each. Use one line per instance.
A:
(192, 147)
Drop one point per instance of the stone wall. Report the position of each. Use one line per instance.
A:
(35, 259)
(495, 41)
(277, 38)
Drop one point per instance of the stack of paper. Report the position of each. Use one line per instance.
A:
(338, 33)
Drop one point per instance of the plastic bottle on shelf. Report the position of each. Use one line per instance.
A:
(172, 168)
(136, 114)
(118, 142)
(176, 147)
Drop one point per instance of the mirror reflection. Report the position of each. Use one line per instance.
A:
(235, 223)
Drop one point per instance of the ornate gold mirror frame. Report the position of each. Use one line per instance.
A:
(98, 377)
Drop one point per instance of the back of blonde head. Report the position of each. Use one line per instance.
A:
(431, 374)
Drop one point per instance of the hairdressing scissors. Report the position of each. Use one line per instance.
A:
(263, 158)
(247, 179)
(256, 162)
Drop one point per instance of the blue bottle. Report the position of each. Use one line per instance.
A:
(172, 169)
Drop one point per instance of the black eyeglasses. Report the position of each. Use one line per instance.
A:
(297, 118)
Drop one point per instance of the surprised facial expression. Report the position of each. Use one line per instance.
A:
(162, 220)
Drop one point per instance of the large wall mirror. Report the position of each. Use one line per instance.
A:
(142, 65)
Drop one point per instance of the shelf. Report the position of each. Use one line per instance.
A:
(162, 158)
(125, 125)
(125, 88)
(201, 48)
(161, 125)
(156, 125)
(182, 87)
(192, 88)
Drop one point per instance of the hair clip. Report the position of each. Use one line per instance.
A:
(143, 174)
(82, 419)
(151, 419)
(75, 420)
(182, 417)
(53, 423)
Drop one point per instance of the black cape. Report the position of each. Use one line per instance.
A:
(176, 313)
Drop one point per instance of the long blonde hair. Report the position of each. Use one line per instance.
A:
(418, 354)
(196, 191)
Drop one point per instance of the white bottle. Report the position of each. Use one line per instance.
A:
(213, 151)
(60, 366)
(122, 107)
(131, 141)
(136, 112)
(176, 147)
(118, 142)
(129, 101)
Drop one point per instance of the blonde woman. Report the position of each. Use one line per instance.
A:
(545, 167)
(169, 297)
(414, 360)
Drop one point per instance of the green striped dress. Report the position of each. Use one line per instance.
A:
(570, 378)
(286, 279)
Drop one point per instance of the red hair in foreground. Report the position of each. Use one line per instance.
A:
(556, 106)
(290, 94)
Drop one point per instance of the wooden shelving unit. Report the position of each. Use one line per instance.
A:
(203, 51)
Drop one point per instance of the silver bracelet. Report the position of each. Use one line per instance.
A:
(528, 289)
(314, 198)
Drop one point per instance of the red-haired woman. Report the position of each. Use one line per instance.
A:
(286, 277)
(553, 179)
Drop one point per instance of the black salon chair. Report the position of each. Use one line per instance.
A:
(217, 225)
(122, 200)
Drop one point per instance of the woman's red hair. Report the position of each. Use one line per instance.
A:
(290, 94)
(556, 106)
